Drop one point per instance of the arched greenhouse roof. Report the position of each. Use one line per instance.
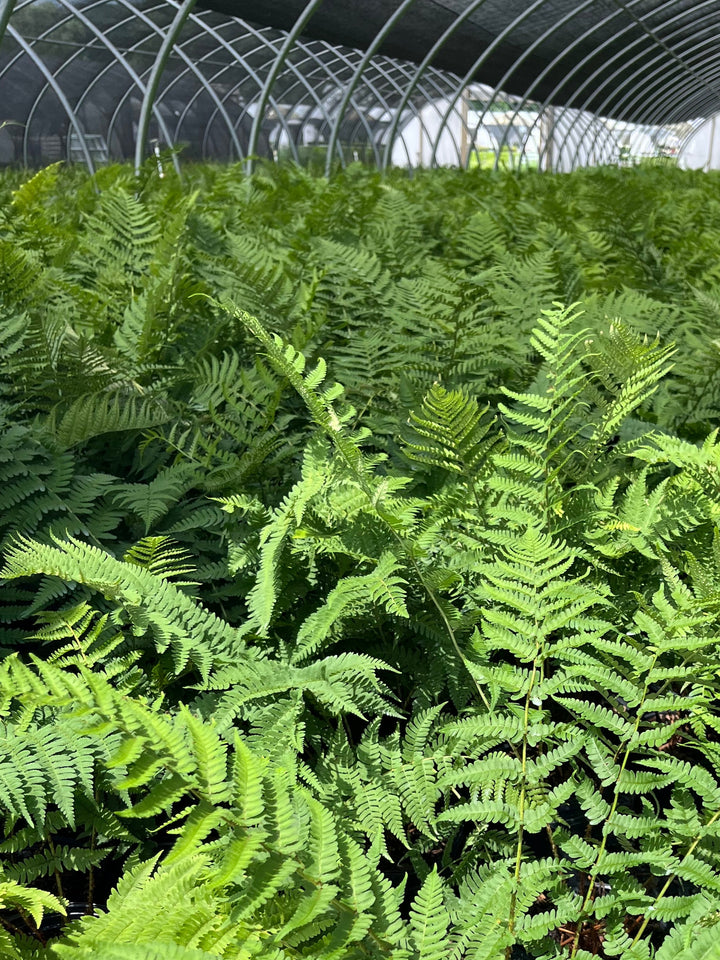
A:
(581, 53)
(552, 83)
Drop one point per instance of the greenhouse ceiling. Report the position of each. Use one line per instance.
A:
(640, 60)
(549, 83)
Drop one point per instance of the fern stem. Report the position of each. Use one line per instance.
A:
(521, 807)
(56, 872)
(91, 870)
(592, 876)
(9, 926)
(448, 626)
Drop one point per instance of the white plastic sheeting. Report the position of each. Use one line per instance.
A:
(701, 150)
(556, 139)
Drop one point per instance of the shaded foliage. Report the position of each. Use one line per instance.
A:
(360, 596)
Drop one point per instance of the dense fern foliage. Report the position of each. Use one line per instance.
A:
(360, 591)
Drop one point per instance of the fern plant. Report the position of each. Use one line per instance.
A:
(419, 666)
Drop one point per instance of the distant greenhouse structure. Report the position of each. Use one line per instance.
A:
(549, 84)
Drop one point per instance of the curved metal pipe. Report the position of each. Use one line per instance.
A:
(6, 9)
(385, 67)
(251, 31)
(141, 15)
(310, 7)
(602, 69)
(674, 77)
(431, 78)
(631, 98)
(294, 68)
(337, 54)
(365, 59)
(584, 118)
(687, 94)
(466, 78)
(659, 40)
(303, 100)
(713, 95)
(253, 74)
(154, 81)
(677, 101)
(386, 71)
(68, 18)
(310, 55)
(190, 103)
(422, 66)
(206, 87)
(170, 138)
(624, 62)
(386, 74)
(660, 111)
(609, 79)
(434, 77)
(57, 90)
(604, 143)
(243, 64)
(522, 102)
(695, 128)
(706, 108)
(119, 59)
(245, 111)
(109, 66)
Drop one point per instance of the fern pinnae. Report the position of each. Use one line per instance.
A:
(593, 868)
(291, 364)
(177, 621)
(522, 799)
(429, 920)
(672, 876)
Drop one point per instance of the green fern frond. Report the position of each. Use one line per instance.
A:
(192, 633)
(153, 500)
(34, 902)
(429, 921)
(381, 587)
(451, 432)
(95, 414)
(161, 557)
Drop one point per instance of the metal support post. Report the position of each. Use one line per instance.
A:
(272, 76)
(6, 9)
(153, 83)
(350, 89)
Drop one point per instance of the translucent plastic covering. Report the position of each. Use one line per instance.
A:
(551, 83)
